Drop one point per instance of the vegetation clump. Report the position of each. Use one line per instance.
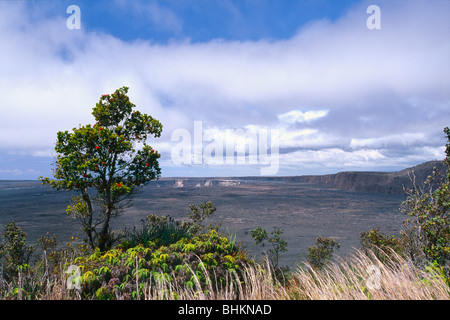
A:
(127, 273)
(322, 252)
(278, 245)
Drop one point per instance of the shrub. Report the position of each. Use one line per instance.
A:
(55, 258)
(278, 244)
(127, 272)
(163, 230)
(198, 214)
(14, 252)
(319, 254)
(381, 244)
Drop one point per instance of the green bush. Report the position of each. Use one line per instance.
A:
(125, 272)
(319, 254)
(163, 230)
(381, 244)
(198, 214)
(15, 254)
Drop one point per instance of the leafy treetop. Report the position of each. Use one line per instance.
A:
(111, 157)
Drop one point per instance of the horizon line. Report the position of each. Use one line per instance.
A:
(256, 176)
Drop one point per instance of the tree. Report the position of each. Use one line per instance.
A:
(319, 254)
(105, 164)
(279, 245)
(430, 209)
(199, 214)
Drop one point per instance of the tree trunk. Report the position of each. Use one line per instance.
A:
(88, 229)
(104, 233)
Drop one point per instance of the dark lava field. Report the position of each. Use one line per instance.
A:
(303, 210)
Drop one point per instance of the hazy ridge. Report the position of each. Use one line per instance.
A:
(360, 181)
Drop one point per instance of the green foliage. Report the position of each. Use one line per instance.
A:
(323, 250)
(27, 272)
(278, 244)
(54, 258)
(381, 244)
(164, 230)
(161, 230)
(429, 209)
(14, 252)
(110, 158)
(122, 271)
(199, 213)
(203, 211)
(259, 235)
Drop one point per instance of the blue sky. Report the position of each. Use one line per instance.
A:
(205, 20)
(339, 95)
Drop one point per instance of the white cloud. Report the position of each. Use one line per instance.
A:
(397, 140)
(333, 158)
(369, 92)
(294, 116)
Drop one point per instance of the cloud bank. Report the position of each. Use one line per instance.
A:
(342, 96)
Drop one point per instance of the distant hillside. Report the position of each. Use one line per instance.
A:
(377, 182)
(361, 181)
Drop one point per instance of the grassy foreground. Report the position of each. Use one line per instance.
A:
(173, 260)
(360, 276)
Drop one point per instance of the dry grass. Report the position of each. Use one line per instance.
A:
(256, 284)
(344, 279)
(349, 279)
(353, 279)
